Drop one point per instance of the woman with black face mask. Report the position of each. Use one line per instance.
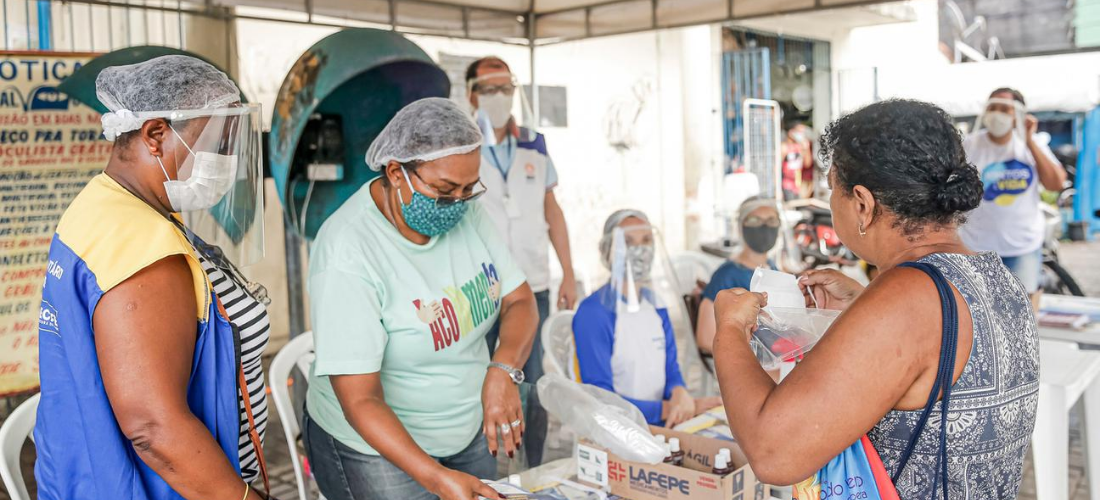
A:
(758, 219)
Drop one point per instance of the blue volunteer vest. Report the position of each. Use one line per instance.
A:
(105, 236)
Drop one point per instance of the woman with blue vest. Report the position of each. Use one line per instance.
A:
(150, 338)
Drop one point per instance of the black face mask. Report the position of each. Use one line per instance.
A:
(760, 239)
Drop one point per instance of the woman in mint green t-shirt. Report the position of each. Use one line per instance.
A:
(405, 280)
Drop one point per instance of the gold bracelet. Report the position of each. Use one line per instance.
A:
(246, 488)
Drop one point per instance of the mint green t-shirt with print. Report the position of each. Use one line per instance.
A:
(416, 314)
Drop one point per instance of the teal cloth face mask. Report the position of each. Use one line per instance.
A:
(425, 217)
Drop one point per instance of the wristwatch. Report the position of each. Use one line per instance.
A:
(516, 374)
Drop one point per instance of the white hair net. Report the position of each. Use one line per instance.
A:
(155, 88)
(609, 226)
(426, 130)
(750, 205)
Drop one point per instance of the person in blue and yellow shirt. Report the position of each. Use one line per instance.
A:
(150, 339)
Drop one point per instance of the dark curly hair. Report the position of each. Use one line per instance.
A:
(909, 155)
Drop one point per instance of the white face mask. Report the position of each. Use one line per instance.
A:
(998, 123)
(497, 107)
(212, 175)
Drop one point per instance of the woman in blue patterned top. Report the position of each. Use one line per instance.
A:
(901, 188)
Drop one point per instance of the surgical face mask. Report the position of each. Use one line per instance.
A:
(425, 217)
(760, 239)
(212, 175)
(641, 261)
(497, 107)
(998, 123)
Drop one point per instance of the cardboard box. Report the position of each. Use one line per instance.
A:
(694, 480)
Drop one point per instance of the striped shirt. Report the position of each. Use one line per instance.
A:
(249, 318)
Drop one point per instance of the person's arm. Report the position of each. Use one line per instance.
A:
(790, 430)
(1052, 175)
(559, 239)
(145, 333)
(350, 342)
(673, 377)
(365, 408)
(679, 405)
(499, 394)
(704, 326)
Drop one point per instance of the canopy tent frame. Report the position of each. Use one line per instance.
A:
(528, 19)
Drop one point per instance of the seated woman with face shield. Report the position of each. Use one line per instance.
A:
(758, 219)
(623, 331)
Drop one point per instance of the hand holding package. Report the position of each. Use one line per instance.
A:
(786, 330)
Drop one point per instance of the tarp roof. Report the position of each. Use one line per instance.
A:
(515, 21)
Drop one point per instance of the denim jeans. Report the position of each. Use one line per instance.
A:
(1027, 267)
(345, 474)
(535, 416)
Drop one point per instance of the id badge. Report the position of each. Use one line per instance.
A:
(511, 207)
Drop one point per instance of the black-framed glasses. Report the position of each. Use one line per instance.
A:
(446, 200)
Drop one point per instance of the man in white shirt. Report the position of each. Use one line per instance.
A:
(1013, 165)
(519, 177)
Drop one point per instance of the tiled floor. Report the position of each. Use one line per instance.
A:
(1080, 259)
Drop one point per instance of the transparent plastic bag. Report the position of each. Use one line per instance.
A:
(601, 416)
(785, 334)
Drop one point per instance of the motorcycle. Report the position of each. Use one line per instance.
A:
(817, 240)
(1056, 279)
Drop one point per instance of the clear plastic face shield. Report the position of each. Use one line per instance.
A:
(501, 108)
(218, 186)
(642, 287)
(1003, 116)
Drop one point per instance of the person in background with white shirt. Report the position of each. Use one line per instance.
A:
(520, 178)
(1013, 165)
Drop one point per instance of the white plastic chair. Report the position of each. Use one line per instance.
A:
(298, 353)
(15, 431)
(559, 358)
(557, 344)
(1066, 374)
(693, 265)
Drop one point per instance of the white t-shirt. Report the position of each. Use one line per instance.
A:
(1008, 221)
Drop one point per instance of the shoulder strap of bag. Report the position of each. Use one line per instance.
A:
(242, 384)
(253, 432)
(944, 375)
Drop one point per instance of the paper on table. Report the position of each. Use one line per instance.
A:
(782, 288)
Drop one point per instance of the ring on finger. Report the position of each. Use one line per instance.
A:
(516, 422)
(504, 429)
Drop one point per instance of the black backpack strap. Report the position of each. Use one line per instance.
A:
(944, 375)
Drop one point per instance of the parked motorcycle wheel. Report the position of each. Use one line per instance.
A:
(1062, 282)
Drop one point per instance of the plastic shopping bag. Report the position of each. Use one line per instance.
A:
(785, 334)
(857, 472)
(602, 416)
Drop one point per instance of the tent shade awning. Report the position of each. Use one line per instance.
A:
(522, 22)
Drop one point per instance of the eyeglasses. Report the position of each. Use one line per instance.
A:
(754, 221)
(506, 89)
(444, 200)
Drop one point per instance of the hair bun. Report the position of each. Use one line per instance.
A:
(961, 191)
